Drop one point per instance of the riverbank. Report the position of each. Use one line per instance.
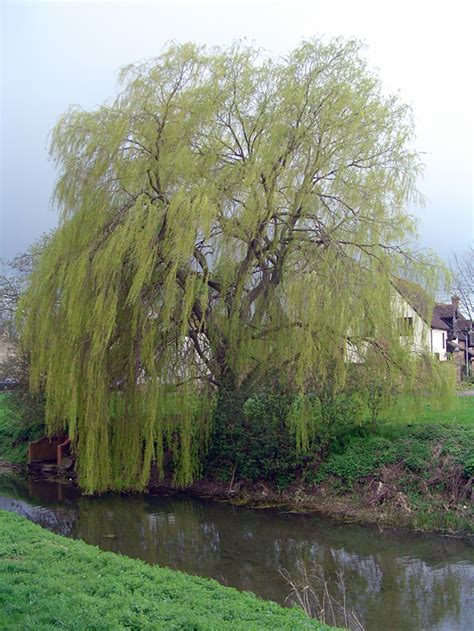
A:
(417, 475)
(50, 582)
(355, 505)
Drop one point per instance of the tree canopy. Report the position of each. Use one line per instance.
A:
(228, 220)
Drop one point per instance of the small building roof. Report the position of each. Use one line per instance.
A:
(438, 323)
(462, 324)
(443, 312)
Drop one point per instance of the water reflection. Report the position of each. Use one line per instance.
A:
(393, 580)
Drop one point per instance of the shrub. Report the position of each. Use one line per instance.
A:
(251, 441)
(256, 437)
(415, 455)
(361, 458)
(343, 418)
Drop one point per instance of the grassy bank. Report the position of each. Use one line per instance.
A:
(419, 476)
(460, 413)
(50, 582)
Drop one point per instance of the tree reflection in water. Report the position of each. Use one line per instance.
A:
(394, 580)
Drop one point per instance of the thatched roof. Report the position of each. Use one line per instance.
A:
(416, 296)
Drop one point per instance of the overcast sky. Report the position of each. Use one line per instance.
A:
(55, 54)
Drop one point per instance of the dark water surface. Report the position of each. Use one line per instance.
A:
(394, 580)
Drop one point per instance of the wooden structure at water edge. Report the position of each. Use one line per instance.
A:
(50, 453)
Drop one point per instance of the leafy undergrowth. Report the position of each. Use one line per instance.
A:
(49, 582)
(423, 473)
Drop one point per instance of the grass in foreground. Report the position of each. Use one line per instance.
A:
(50, 582)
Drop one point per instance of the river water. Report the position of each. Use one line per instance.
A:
(394, 580)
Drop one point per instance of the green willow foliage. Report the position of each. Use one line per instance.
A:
(227, 218)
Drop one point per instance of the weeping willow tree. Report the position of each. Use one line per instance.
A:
(226, 220)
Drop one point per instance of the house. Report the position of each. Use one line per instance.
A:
(421, 325)
(8, 352)
(460, 335)
(446, 332)
(420, 328)
(6, 348)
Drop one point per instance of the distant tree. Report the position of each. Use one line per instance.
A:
(27, 407)
(463, 275)
(13, 282)
(225, 222)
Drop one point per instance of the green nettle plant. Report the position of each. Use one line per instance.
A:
(228, 221)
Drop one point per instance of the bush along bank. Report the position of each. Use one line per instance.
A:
(420, 476)
(51, 582)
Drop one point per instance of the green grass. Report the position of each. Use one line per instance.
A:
(460, 413)
(50, 582)
(12, 448)
(16, 429)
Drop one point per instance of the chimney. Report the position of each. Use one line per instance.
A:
(455, 300)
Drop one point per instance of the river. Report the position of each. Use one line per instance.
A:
(394, 580)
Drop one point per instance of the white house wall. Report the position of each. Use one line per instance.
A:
(438, 344)
(420, 338)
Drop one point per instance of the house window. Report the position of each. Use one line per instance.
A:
(444, 341)
(405, 326)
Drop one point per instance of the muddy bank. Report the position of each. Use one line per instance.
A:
(364, 504)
